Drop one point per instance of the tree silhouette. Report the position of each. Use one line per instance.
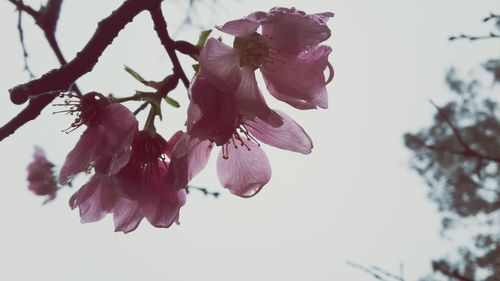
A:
(458, 156)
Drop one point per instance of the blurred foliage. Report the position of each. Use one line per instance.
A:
(458, 156)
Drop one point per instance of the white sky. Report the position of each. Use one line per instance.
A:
(354, 198)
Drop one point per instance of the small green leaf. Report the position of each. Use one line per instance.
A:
(134, 74)
(138, 77)
(172, 102)
(202, 39)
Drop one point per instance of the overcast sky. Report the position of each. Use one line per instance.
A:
(354, 198)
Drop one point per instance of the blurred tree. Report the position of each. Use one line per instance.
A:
(458, 156)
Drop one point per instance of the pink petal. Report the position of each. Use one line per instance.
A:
(308, 30)
(110, 137)
(211, 113)
(169, 150)
(119, 126)
(240, 28)
(41, 180)
(250, 101)
(300, 81)
(257, 16)
(221, 65)
(245, 172)
(94, 199)
(79, 158)
(159, 202)
(126, 215)
(325, 17)
(290, 136)
(190, 157)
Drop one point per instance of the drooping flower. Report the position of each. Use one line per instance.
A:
(40, 175)
(110, 131)
(235, 121)
(139, 190)
(287, 52)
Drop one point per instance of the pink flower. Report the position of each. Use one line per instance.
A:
(40, 175)
(139, 190)
(292, 63)
(234, 121)
(110, 131)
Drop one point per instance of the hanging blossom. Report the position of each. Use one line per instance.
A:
(287, 52)
(40, 176)
(235, 121)
(139, 190)
(110, 131)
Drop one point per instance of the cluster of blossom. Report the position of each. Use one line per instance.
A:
(138, 174)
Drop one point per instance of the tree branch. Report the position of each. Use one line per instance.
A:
(160, 26)
(34, 108)
(64, 77)
(468, 151)
(25, 8)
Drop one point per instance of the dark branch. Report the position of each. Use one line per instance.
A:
(25, 8)
(46, 18)
(63, 77)
(160, 26)
(34, 108)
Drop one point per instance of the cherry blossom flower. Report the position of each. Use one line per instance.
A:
(40, 175)
(110, 131)
(139, 190)
(292, 63)
(235, 121)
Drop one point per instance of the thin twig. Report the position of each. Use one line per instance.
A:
(23, 45)
(491, 35)
(203, 190)
(367, 270)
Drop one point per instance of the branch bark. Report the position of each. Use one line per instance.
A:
(63, 78)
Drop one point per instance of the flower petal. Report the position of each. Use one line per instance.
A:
(159, 202)
(240, 28)
(308, 30)
(126, 215)
(110, 137)
(250, 101)
(119, 127)
(189, 158)
(245, 171)
(290, 136)
(79, 158)
(221, 65)
(211, 113)
(94, 199)
(300, 81)
(41, 180)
